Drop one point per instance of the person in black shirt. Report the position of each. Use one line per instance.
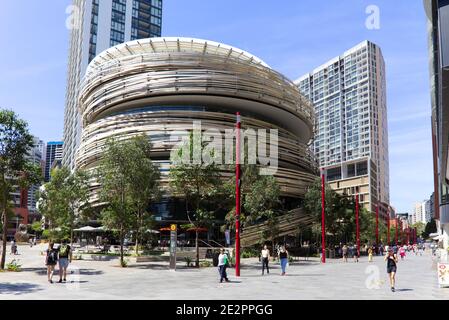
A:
(392, 260)
(283, 257)
(50, 261)
(65, 256)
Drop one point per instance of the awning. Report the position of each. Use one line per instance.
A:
(439, 237)
(86, 229)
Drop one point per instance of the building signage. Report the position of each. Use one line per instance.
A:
(443, 274)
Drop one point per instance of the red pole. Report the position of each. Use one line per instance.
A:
(396, 237)
(357, 223)
(237, 198)
(323, 222)
(377, 225)
(388, 229)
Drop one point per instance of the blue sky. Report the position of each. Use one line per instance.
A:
(292, 36)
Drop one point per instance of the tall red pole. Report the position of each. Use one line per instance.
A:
(396, 237)
(388, 229)
(377, 225)
(323, 222)
(237, 198)
(357, 230)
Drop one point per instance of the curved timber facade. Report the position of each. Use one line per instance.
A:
(159, 86)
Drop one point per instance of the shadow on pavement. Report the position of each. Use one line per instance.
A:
(18, 288)
(43, 271)
(403, 290)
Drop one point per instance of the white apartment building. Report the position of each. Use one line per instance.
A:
(351, 138)
(101, 25)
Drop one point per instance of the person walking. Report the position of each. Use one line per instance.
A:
(402, 252)
(265, 254)
(283, 257)
(355, 254)
(65, 257)
(50, 261)
(345, 253)
(223, 262)
(370, 254)
(381, 250)
(13, 247)
(392, 260)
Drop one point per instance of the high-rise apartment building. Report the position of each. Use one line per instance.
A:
(54, 152)
(351, 132)
(100, 25)
(438, 42)
(36, 156)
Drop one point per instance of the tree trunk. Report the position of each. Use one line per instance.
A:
(71, 237)
(139, 225)
(5, 231)
(197, 262)
(121, 246)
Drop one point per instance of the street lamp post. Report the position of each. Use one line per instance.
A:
(323, 223)
(237, 198)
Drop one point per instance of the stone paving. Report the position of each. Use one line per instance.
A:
(416, 279)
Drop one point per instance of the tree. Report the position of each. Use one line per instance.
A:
(261, 201)
(15, 142)
(339, 212)
(420, 228)
(431, 227)
(64, 200)
(129, 182)
(198, 183)
(143, 184)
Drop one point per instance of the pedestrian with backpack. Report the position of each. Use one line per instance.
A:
(50, 261)
(223, 262)
(65, 257)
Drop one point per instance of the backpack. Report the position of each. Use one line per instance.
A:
(64, 251)
(52, 257)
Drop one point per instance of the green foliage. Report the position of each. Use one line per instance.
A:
(45, 234)
(420, 228)
(205, 264)
(198, 183)
(36, 227)
(250, 253)
(340, 215)
(15, 142)
(129, 183)
(13, 266)
(431, 227)
(64, 200)
(188, 261)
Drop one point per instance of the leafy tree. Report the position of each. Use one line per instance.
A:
(431, 227)
(420, 228)
(143, 184)
(129, 182)
(198, 183)
(64, 200)
(15, 142)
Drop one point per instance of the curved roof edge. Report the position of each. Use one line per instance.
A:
(160, 44)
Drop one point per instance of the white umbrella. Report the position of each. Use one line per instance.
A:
(86, 228)
(152, 231)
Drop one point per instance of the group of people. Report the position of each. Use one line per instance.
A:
(61, 255)
(223, 261)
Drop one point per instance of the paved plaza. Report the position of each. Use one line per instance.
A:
(416, 279)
